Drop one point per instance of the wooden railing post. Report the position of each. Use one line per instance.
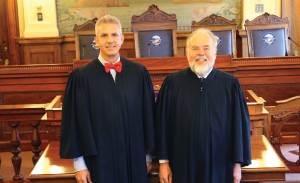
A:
(36, 142)
(1, 179)
(16, 159)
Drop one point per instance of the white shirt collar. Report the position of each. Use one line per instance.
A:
(104, 61)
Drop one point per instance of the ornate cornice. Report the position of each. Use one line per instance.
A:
(214, 19)
(87, 26)
(154, 14)
(266, 18)
(4, 70)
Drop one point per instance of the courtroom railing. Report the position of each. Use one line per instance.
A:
(284, 119)
(26, 115)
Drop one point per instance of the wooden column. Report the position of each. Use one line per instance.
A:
(13, 31)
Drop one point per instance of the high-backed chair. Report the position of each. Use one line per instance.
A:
(267, 35)
(224, 29)
(154, 33)
(84, 40)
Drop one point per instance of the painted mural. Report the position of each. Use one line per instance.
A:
(71, 12)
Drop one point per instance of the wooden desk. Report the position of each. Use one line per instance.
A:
(266, 165)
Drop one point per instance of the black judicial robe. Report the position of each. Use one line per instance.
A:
(110, 124)
(202, 132)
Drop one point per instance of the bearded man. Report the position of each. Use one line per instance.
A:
(202, 120)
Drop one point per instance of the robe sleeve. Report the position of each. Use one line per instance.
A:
(148, 113)
(162, 119)
(76, 135)
(241, 128)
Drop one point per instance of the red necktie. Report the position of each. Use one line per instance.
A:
(117, 67)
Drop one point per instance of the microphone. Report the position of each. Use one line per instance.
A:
(293, 41)
(149, 49)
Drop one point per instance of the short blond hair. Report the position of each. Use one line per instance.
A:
(107, 19)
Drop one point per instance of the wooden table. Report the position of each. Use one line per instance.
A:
(266, 165)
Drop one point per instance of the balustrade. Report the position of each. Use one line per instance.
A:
(27, 116)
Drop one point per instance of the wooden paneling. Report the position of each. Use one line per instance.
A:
(68, 50)
(272, 78)
(32, 83)
(40, 50)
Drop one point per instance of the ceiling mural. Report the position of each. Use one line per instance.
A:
(71, 12)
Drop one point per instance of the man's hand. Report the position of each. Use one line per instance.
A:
(83, 176)
(165, 174)
(237, 173)
(149, 166)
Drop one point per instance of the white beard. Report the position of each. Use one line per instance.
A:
(204, 69)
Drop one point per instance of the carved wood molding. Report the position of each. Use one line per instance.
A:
(266, 18)
(285, 114)
(87, 26)
(266, 60)
(154, 14)
(35, 68)
(284, 117)
(214, 19)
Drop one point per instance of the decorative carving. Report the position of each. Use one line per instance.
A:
(214, 19)
(154, 14)
(275, 140)
(87, 26)
(266, 18)
(35, 68)
(154, 20)
(266, 60)
(286, 111)
(285, 114)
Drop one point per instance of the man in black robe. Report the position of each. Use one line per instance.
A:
(202, 120)
(107, 118)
